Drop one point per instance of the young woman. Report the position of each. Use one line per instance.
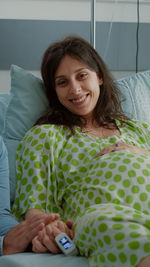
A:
(87, 161)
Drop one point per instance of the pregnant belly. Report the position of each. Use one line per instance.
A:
(120, 177)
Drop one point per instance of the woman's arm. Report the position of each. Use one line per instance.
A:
(122, 146)
(15, 237)
(36, 188)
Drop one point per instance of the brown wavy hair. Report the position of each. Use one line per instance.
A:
(108, 107)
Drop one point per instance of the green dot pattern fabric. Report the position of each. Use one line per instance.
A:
(108, 197)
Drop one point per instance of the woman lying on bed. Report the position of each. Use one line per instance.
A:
(87, 161)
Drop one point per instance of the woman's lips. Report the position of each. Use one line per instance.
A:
(79, 99)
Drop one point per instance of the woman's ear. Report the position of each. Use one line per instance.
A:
(100, 81)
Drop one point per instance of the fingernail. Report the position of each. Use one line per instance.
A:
(113, 150)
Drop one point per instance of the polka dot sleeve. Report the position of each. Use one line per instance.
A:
(36, 157)
(141, 130)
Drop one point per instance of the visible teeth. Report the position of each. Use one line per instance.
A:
(79, 100)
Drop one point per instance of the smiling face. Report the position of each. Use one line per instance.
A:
(77, 86)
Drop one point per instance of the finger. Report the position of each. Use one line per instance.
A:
(53, 230)
(36, 224)
(37, 219)
(61, 226)
(49, 230)
(48, 239)
(37, 246)
(71, 233)
(69, 223)
(41, 234)
(117, 146)
(50, 244)
(103, 152)
(39, 250)
(52, 247)
(56, 231)
(51, 217)
(121, 143)
(36, 228)
(107, 150)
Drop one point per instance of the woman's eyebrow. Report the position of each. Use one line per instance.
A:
(63, 76)
(59, 76)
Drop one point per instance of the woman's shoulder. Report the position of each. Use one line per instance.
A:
(45, 131)
(45, 128)
(40, 137)
(138, 124)
(132, 122)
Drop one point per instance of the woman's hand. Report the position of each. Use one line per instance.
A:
(122, 146)
(19, 237)
(34, 212)
(45, 240)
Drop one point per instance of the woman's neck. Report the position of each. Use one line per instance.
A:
(93, 129)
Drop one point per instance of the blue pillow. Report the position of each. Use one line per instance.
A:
(4, 100)
(136, 91)
(27, 103)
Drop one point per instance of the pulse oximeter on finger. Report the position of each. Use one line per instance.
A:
(66, 245)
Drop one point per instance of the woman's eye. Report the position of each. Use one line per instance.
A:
(83, 75)
(61, 83)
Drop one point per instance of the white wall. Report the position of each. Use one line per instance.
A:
(5, 80)
(106, 10)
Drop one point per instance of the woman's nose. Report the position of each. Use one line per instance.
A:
(75, 87)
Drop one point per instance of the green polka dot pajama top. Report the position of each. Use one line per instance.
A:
(108, 197)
